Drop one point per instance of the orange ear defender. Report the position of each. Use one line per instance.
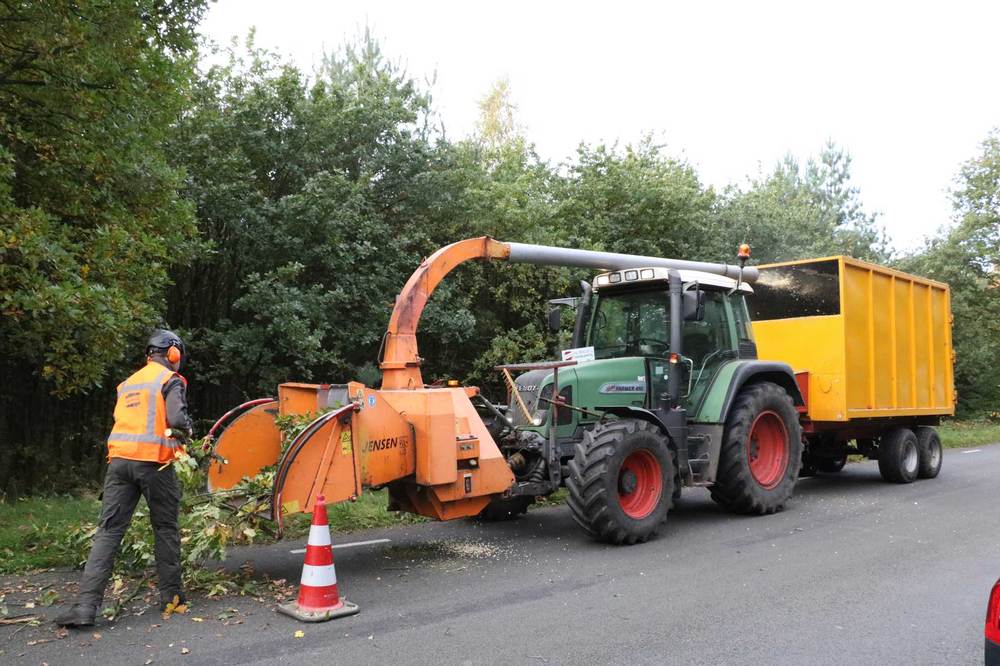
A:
(174, 354)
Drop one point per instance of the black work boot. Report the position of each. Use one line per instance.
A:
(77, 615)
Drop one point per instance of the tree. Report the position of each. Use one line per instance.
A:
(966, 255)
(317, 196)
(797, 211)
(639, 201)
(91, 220)
(499, 187)
(497, 126)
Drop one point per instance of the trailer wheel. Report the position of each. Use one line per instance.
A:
(621, 481)
(929, 452)
(898, 457)
(505, 508)
(761, 451)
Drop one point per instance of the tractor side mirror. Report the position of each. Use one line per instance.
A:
(694, 305)
(555, 311)
(555, 319)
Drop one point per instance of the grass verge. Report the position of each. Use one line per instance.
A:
(30, 527)
(367, 512)
(959, 434)
(24, 520)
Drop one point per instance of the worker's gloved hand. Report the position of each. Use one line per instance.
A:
(182, 436)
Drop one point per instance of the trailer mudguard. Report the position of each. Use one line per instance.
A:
(733, 376)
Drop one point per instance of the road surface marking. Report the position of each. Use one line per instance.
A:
(299, 551)
(972, 451)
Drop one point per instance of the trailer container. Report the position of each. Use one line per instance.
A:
(871, 342)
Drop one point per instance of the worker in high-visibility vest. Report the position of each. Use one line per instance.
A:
(140, 454)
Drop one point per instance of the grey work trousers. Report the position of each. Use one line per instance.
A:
(125, 481)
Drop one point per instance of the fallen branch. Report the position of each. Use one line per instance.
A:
(18, 619)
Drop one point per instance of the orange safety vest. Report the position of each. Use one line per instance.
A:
(141, 417)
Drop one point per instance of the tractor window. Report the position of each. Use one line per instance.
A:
(631, 323)
(744, 331)
(708, 343)
(701, 338)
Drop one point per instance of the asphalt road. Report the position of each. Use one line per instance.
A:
(853, 571)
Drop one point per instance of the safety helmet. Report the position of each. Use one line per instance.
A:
(162, 340)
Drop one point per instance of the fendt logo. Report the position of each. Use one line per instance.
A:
(384, 443)
(623, 387)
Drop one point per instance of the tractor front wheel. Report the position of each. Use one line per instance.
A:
(621, 481)
(761, 451)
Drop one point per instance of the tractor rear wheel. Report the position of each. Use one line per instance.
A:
(621, 481)
(761, 451)
(898, 457)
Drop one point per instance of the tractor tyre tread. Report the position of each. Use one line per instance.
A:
(734, 487)
(592, 504)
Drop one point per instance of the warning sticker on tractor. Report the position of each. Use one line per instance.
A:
(345, 443)
(578, 354)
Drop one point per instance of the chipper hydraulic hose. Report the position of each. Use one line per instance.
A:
(427, 445)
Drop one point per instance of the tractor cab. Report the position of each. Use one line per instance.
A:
(624, 340)
(628, 314)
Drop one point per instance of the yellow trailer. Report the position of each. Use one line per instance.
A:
(871, 346)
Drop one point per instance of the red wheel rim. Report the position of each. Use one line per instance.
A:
(767, 449)
(640, 484)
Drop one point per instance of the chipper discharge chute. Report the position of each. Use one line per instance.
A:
(430, 446)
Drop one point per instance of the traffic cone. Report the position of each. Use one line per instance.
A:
(318, 597)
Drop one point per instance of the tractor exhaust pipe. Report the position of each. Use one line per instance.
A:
(676, 340)
(524, 253)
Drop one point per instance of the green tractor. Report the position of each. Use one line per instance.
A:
(665, 392)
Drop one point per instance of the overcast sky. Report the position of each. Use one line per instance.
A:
(909, 89)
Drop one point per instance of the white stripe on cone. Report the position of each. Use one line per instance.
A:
(318, 576)
(319, 535)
